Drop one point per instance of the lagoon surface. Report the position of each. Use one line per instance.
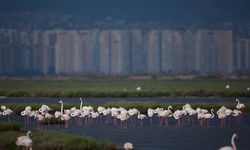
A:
(44, 100)
(154, 137)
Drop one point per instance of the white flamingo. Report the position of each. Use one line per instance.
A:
(132, 113)
(164, 114)
(107, 113)
(141, 117)
(64, 117)
(26, 114)
(222, 115)
(191, 113)
(48, 116)
(123, 118)
(138, 88)
(178, 114)
(58, 115)
(114, 113)
(150, 112)
(128, 146)
(39, 119)
(76, 113)
(94, 115)
(239, 105)
(25, 141)
(237, 113)
(209, 116)
(233, 146)
(44, 109)
(100, 110)
(7, 112)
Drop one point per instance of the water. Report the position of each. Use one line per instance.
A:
(104, 100)
(156, 137)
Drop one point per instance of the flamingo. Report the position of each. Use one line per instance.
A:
(239, 105)
(191, 112)
(141, 117)
(164, 114)
(222, 115)
(86, 112)
(25, 141)
(76, 113)
(94, 115)
(138, 88)
(100, 110)
(123, 118)
(26, 113)
(128, 146)
(7, 112)
(48, 116)
(209, 116)
(150, 114)
(39, 118)
(65, 116)
(58, 115)
(132, 112)
(178, 114)
(44, 109)
(107, 113)
(236, 113)
(233, 147)
(114, 114)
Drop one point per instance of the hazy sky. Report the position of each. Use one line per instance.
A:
(138, 10)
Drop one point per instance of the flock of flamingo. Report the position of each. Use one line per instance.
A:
(87, 115)
(113, 115)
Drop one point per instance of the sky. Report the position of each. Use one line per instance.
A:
(139, 10)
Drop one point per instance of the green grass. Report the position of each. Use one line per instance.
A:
(7, 126)
(115, 87)
(50, 140)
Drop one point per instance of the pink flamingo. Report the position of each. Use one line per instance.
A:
(25, 141)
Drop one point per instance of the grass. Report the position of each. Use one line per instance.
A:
(50, 140)
(123, 87)
(7, 126)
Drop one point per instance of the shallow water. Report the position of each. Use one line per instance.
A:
(156, 137)
(104, 100)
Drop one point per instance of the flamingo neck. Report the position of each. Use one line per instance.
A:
(81, 104)
(62, 108)
(233, 143)
(28, 134)
(212, 112)
(169, 108)
(238, 101)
